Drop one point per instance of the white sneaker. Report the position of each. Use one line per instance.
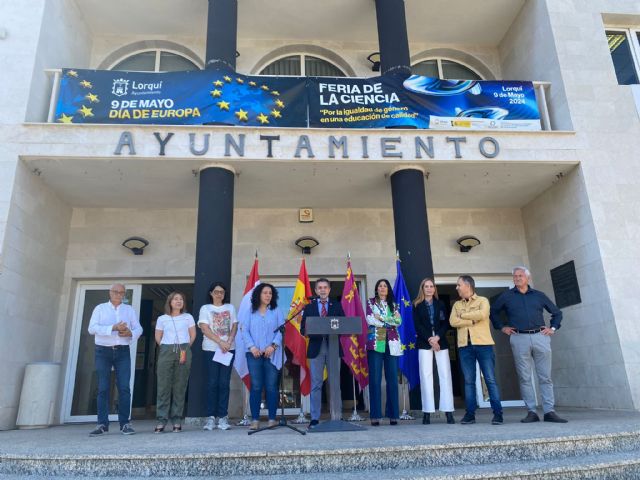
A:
(223, 423)
(211, 424)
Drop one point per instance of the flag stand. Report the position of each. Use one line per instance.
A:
(302, 418)
(354, 416)
(405, 414)
(245, 422)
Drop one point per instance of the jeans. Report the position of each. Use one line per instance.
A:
(486, 358)
(217, 391)
(378, 361)
(173, 378)
(263, 375)
(120, 359)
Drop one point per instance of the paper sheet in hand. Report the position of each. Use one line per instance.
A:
(223, 358)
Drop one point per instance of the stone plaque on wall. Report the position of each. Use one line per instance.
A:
(565, 285)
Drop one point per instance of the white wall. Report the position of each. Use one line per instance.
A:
(30, 283)
(587, 359)
(608, 126)
(528, 52)
(65, 41)
(17, 53)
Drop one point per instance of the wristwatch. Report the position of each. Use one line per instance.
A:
(553, 328)
(275, 346)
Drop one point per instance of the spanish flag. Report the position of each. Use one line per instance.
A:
(294, 340)
(244, 311)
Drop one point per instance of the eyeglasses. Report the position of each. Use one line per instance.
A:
(218, 292)
(117, 292)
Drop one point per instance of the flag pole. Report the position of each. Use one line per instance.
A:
(405, 414)
(354, 416)
(245, 422)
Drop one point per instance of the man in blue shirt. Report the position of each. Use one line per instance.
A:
(530, 340)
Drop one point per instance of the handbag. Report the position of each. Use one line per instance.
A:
(395, 348)
(182, 355)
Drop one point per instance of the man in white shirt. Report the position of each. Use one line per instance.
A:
(115, 326)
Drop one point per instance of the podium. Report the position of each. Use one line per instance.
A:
(333, 327)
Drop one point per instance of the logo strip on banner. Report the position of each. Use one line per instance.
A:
(221, 97)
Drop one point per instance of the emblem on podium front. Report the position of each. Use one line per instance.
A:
(334, 324)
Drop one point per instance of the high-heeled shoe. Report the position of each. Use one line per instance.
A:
(426, 418)
(450, 419)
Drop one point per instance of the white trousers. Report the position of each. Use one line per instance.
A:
(425, 359)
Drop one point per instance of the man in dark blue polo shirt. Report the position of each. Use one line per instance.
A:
(530, 340)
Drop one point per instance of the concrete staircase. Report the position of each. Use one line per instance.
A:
(599, 455)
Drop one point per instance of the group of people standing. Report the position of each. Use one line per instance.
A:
(115, 326)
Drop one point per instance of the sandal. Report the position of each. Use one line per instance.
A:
(159, 428)
(177, 428)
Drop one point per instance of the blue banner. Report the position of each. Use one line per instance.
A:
(224, 97)
(408, 338)
(422, 102)
(181, 98)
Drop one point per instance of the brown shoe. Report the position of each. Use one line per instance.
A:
(254, 425)
(272, 423)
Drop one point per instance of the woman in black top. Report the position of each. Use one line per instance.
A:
(431, 326)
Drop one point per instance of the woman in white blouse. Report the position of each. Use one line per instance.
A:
(175, 332)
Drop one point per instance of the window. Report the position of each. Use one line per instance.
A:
(302, 65)
(624, 46)
(155, 61)
(445, 69)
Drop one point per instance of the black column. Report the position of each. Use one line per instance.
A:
(392, 37)
(411, 227)
(222, 30)
(213, 263)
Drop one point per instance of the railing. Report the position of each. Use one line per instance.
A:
(541, 89)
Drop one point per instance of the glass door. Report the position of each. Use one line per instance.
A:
(81, 383)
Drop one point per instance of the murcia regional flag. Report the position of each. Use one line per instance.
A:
(354, 346)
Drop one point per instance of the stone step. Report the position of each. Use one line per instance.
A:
(608, 466)
(411, 458)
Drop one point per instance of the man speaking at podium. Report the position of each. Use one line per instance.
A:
(318, 348)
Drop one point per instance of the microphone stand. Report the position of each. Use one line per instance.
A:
(282, 422)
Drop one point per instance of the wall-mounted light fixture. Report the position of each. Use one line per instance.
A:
(467, 242)
(374, 58)
(306, 244)
(136, 244)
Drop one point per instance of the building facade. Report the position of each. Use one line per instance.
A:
(568, 193)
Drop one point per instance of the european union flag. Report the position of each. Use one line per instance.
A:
(408, 337)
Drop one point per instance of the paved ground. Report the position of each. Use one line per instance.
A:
(74, 441)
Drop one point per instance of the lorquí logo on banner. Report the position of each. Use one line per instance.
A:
(422, 102)
(181, 98)
(223, 97)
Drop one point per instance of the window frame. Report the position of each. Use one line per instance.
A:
(158, 54)
(633, 37)
(441, 69)
(303, 66)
